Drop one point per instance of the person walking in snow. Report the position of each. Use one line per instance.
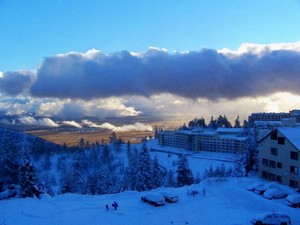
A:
(115, 205)
(106, 207)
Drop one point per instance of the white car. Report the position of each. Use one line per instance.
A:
(153, 199)
(170, 198)
(275, 193)
(275, 218)
(260, 188)
(293, 200)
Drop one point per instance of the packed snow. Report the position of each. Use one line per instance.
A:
(226, 202)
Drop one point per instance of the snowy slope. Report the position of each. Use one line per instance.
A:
(225, 203)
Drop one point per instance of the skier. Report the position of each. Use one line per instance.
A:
(203, 191)
(106, 207)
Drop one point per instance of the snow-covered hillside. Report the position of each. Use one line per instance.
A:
(226, 202)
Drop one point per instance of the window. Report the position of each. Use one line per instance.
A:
(294, 169)
(274, 151)
(274, 135)
(272, 164)
(265, 162)
(293, 184)
(272, 177)
(279, 165)
(279, 179)
(281, 140)
(294, 155)
(265, 174)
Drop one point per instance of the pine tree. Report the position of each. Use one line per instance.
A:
(238, 163)
(9, 159)
(28, 181)
(144, 176)
(157, 174)
(106, 155)
(211, 172)
(77, 176)
(170, 180)
(184, 174)
(133, 169)
(237, 123)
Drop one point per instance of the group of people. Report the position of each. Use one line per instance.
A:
(194, 192)
(114, 205)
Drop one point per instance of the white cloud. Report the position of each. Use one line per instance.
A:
(40, 122)
(259, 49)
(130, 127)
(72, 123)
(50, 108)
(117, 105)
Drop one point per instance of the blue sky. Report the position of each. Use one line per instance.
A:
(32, 30)
(179, 58)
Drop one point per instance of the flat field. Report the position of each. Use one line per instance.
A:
(71, 136)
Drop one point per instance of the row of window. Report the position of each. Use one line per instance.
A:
(280, 140)
(274, 177)
(271, 176)
(274, 164)
(293, 155)
(271, 163)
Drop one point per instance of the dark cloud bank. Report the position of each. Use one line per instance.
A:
(202, 74)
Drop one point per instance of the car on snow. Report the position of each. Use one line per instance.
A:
(293, 200)
(170, 198)
(153, 199)
(260, 188)
(275, 218)
(275, 193)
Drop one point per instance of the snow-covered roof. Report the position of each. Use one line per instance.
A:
(292, 134)
(230, 130)
(262, 122)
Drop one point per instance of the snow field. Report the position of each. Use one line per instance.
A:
(226, 202)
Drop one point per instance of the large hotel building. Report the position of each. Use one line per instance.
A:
(225, 140)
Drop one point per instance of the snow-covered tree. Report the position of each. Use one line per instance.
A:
(28, 181)
(9, 159)
(170, 179)
(238, 166)
(144, 175)
(157, 173)
(184, 174)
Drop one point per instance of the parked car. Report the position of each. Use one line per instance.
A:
(260, 188)
(294, 200)
(275, 218)
(153, 199)
(275, 193)
(170, 198)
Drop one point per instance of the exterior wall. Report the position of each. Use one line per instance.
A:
(202, 141)
(273, 116)
(278, 167)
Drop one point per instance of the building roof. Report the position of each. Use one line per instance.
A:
(290, 133)
(230, 130)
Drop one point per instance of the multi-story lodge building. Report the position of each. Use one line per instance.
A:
(262, 128)
(279, 156)
(263, 116)
(225, 140)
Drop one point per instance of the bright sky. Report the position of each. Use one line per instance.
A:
(112, 71)
(32, 30)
